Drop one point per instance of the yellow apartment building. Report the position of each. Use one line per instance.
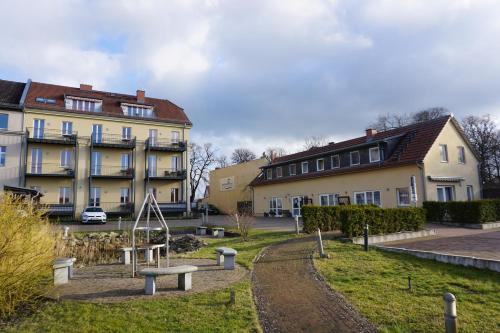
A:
(93, 148)
(402, 167)
(229, 187)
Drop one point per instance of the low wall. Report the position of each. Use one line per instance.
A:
(484, 226)
(394, 237)
(493, 265)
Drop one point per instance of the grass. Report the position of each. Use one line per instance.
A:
(203, 312)
(376, 283)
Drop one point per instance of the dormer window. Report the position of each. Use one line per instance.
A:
(133, 110)
(269, 174)
(320, 164)
(374, 154)
(83, 104)
(354, 157)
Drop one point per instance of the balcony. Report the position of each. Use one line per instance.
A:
(112, 141)
(42, 135)
(58, 209)
(165, 174)
(49, 170)
(165, 145)
(172, 207)
(116, 208)
(116, 172)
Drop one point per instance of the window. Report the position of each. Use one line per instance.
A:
(124, 195)
(461, 155)
(279, 172)
(83, 105)
(64, 195)
(175, 163)
(125, 162)
(293, 169)
(3, 155)
(269, 174)
(175, 137)
(152, 165)
(443, 151)
(97, 133)
(36, 160)
(403, 194)
(4, 121)
(354, 157)
(153, 136)
(95, 196)
(328, 199)
(367, 198)
(335, 161)
(66, 128)
(470, 193)
(66, 158)
(126, 133)
(374, 154)
(38, 128)
(445, 193)
(174, 195)
(305, 167)
(320, 164)
(276, 207)
(95, 166)
(139, 111)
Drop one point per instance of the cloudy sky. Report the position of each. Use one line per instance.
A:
(266, 73)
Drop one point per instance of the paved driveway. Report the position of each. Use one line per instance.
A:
(459, 241)
(264, 223)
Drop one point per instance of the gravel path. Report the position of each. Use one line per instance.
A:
(291, 297)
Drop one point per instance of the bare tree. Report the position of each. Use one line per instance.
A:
(429, 114)
(389, 121)
(242, 155)
(272, 152)
(201, 159)
(314, 141)
(222, 161)
(484, 137)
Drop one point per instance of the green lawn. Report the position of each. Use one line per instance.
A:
(376, 283)
(204, 312)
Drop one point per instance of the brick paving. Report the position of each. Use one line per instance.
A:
(483, 244)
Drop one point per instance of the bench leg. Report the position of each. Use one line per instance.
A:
(150, 287)
(220, 259)
(184, 281)
(229, 262)
(70, 272)
(126, 257)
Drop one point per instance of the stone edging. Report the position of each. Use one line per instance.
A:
(493, 265)
(483, 226)
(394, 237)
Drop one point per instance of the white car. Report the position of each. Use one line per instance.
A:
(93, 214)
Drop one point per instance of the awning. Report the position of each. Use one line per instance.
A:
(445, 179)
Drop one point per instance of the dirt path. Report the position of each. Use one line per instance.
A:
(291, 297)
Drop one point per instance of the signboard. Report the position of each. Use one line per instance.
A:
(413, 189)
(227, 184)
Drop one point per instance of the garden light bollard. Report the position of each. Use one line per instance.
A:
(65, 229)
(320, 245)
(297, 224)
(450, 313)
(366, 237)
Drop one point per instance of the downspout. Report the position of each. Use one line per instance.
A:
(421, 166)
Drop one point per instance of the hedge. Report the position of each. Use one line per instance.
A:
(352, 219)
(479, 211)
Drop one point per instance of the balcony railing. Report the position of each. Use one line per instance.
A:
(50, 170)
(112, 141)
(166, 174)
(115, 207)
(59, 209)
(172, 207)
(165, 145)
(43, 135)
(104, 171)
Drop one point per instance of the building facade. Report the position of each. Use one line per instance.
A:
(12, 96)
(229, 187)
(93, 148)
(402, 167)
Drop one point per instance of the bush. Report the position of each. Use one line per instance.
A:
(479, 211)
(327, 218)
(26, 255)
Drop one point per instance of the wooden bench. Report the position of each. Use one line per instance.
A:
(63, 270)
(226, 256)
(183, 280)
(218, 232)
(201, 231)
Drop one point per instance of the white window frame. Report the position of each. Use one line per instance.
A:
(36, 160)
(269, 174)
(445, 197)
(461, 155)
(443, 153)
(302, 167)
(175, 192)
(175, 136)
(276, 204)
(153, 136)
(152, 165)
(401, 204)
(290, 169)
(366, 194)
(279, 172)
(124, 195)
(370, 154)
(7, 125)
(95, 193)
(469, 192)
(97, 133)
(126, 133)
(175, 163)
(96, 166)
(66, 127)
(317, 164)
(3, 156)
(38, 128)
(125, 161)
(64, 193)
(350, 157)
(66, 157)
(335, 157)
(331, 199)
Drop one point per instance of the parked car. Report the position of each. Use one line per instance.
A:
(212, 210)
(93, 214)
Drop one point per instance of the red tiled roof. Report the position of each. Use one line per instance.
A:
(415, 142)
(11, 92)
(165, 111)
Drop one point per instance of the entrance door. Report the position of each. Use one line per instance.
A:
(152, 166)
(96, 163)
(297, 203)
(36, 160)
(97, 133)
(95, 196)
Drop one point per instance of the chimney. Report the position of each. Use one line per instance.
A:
(141, 95)
(86, 87)
(370, 132)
